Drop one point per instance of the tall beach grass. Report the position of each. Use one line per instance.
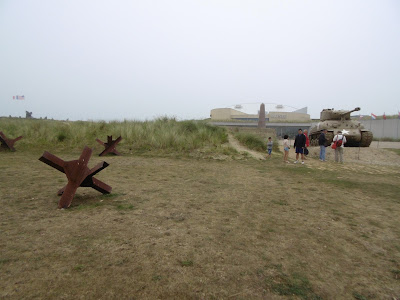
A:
(256, 142)
(162, 134)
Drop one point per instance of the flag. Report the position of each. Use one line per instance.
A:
(384, 116)
(20, 97)
(373, 117)
(13, 97)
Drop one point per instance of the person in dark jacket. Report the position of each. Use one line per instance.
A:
(322, 142)
(299, 145)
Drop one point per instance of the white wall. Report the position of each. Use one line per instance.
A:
(383, 128)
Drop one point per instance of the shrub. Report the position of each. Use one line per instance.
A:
(61, 136)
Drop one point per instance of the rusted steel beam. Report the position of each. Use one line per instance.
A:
(109, 146)
(7, 143)
(53, 161)
(101, 186)
(78, 175)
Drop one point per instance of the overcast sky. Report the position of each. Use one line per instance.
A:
(82, 59)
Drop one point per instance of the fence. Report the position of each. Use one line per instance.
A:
(389, 128)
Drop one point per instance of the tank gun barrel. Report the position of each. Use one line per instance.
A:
(350, 111)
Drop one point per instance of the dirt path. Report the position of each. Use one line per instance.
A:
(235, 144)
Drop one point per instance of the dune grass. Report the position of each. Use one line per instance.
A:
(251, 141)
(256, 141)
(162, 134)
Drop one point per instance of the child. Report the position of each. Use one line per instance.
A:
(286, 148)
(270, 143)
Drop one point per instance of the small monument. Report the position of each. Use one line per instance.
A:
(261, 116)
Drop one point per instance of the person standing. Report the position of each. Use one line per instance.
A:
(270, 143)
(307, 138)
(322, 144)
(339, 149)
(299, 145)
(286, 148)
(307, 143)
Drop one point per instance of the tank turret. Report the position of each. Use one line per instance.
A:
(339, 120)
(331, 114)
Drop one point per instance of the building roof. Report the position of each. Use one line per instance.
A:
(253, 108)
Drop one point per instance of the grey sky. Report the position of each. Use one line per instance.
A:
(142, 59)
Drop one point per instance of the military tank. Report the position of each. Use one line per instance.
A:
(339, 120)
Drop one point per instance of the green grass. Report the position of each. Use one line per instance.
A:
(124, 207)
(111, 195)
(5, 260)
(156, 277)
(397, 151)
(396, 274)
(291, 285)
(251, 141)
(79, 268)
(86, 206)
(280, 202)
(256, 139)
(186, 263)
(343, 183)
(358, 296)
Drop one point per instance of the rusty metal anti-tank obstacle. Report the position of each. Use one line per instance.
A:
(78, 175)
(109, 145)
(7, 143)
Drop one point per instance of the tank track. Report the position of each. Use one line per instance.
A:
(329, 137)
(366, 138)
(314, 138)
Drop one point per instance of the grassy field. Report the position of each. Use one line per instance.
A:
(184, 228)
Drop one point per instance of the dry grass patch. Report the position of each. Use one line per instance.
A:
(179, 228)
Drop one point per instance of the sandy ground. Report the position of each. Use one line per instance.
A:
(370, 155)
(376, 154)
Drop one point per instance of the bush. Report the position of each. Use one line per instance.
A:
(61, 136)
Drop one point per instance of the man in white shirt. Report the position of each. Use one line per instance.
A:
(339, 149)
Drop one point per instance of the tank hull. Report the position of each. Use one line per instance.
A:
(355, 133)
